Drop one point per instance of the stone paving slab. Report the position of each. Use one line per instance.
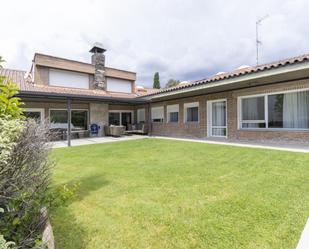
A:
(95, 140)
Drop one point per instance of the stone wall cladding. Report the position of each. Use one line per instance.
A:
(199, 130)
(98, 60)
(99, 115)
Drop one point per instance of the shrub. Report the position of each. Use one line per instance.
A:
(9, 131)
(25, 174)
(25, 177)
(4, 244)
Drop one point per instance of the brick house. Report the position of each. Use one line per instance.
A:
(266, 102)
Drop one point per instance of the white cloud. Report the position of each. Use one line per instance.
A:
(181, 39)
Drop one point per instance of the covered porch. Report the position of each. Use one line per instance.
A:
(72, 118)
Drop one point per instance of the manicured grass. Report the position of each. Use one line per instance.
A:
(155, 193)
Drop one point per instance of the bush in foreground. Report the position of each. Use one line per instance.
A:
(25, 178)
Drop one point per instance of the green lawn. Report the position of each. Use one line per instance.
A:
(155, 193)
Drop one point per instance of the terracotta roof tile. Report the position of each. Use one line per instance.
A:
(18, 77)
(237, 73)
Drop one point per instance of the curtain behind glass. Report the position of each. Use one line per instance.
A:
(218, 114)
(253, 108)
(296, 110)
(218, 118)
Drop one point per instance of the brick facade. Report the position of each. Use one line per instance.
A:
(199, 130)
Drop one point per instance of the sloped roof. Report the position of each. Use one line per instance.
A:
(18, 77)
(237, 73)
(145, 91)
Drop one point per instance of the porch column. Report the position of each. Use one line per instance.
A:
(69, 121)
(149, 120)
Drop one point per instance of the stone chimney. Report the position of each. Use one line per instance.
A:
(98, 60)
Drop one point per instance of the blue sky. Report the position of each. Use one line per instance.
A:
(185, 40)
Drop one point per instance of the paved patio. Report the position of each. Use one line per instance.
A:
(95, 140)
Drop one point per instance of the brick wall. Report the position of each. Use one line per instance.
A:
(199, 130)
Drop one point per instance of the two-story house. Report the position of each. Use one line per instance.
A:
(265, 102)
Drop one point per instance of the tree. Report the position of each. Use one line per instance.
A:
(1, 61)
(172, 82)
(9, 103)
(156, 81)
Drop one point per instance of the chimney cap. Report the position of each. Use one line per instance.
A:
(97, 48)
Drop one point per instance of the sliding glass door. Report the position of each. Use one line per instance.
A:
(124, 118)
(217, 120)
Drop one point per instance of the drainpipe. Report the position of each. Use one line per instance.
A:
(69, 121)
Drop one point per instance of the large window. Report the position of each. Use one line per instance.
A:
(114, 118)
(79, 120)
(117, 117)
(172, 113)
(157, 114)
(34, 113)
(59, 119)
(191, 112)
(289, 110)
(253, 112)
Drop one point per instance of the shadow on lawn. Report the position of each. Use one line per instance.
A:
(69, 232)
(87, 185)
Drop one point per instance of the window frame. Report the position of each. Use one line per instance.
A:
(157, 107)
(185, 110)
(168, 111)
(138, 115)
(120, 113)
(75, 109)
(209, 117)
(265, 95)
(40, 110)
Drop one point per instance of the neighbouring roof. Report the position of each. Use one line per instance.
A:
(141, 90)
(18, 77)
(236, 73)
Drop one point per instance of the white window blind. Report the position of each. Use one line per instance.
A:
(172, 113)
(172, 108)
(157, 114)
(140, 115)
(119, 85)
(68, 79)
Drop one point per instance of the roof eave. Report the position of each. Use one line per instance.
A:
(233, 80)
(35, 94)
